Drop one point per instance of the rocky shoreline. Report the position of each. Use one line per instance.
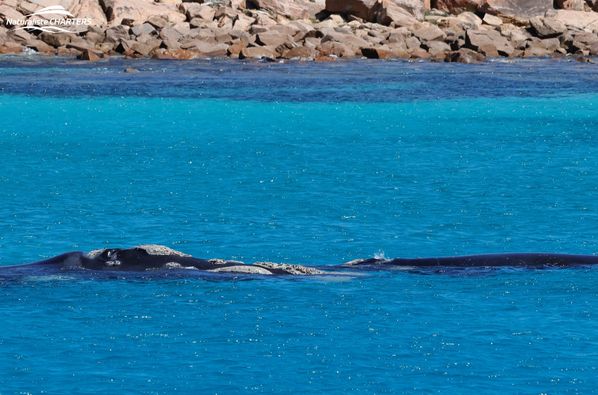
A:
(467, 31)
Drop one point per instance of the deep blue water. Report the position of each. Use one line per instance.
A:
(304, 163)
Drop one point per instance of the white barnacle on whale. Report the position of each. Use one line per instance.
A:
(218, 261)
(297, 270)
(242, 269)
(176, 265)
(95, 253)
(156, 249)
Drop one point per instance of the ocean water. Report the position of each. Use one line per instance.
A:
(304, 163)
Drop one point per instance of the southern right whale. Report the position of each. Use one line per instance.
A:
(155, 260)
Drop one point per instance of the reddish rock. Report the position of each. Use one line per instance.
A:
(465, 55)
(10, 48)
(272, 39)
(211, 50)
(235, 48)
(139, 11)
(89, 55)
(520, 8)
(258, 53)
(56, 39)
(376, 53)
(338, 49)
(178, 54)
(300, 52)
(576, 5)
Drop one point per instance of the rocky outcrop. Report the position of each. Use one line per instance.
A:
(308, 29)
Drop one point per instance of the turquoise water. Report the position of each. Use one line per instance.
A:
(313, 164)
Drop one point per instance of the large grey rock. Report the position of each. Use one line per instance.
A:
(488, 42)
(547, 27)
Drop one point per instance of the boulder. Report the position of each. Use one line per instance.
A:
(519, 8)
(258, 53)
(492, 20)
(7, 12)
(438, 49)
(170, 37)
(382, 52)
(139, 11)
(457, 6)
(580, 42)
(360, 8)
(547, 27)
(576, 5)
(10, 48)
(178, 54)
(382, 11)
(211, 50)
(89, 55)
(243, 22)
(489, 42)
(145, 45)
(577, 20)
(293, 9)
(117, 33)
(301, 52)
(398, 11)
(144, 28)
(56, 39)
(469, 20)
(465, 55)
(272, 39)
(515, 34)
(337, 49)
(196, 10)
(41, 47)
(347, 39)
(89, 9)
(428, 32)
(235, 48)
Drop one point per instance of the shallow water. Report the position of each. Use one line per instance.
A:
(304, 163)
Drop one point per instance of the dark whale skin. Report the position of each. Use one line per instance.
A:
(531, 260)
